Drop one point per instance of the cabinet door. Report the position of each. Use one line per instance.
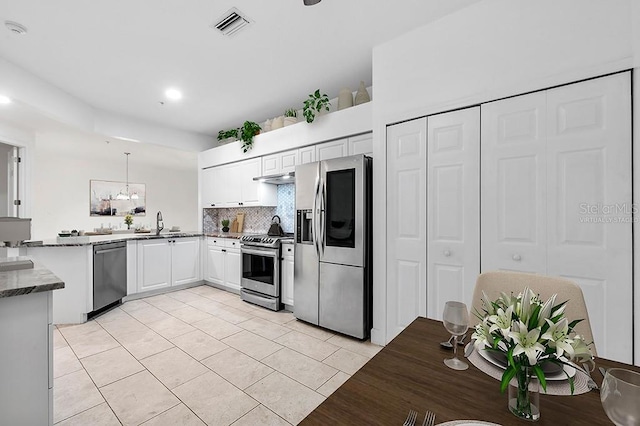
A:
(185, 260)
(333, 149)
(250, 189)
(214, 268)
(307, 154)
(288, 161)
(232, 267)
(211, 187)
(589, 205)
(232, 189)
(514, 184)
(154, 264)
(287, 276)
(453, 208)
(361, 144)
(271, 164)
(406, 224)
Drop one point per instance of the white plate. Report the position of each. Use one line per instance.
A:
(467, 423)
(556, 377)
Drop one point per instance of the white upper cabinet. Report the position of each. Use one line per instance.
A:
(334, 149)
(307, 154)
(232, 185)
(361, 144)
(282, 162)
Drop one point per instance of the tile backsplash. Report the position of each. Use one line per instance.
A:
(287, 206)
(257, 219)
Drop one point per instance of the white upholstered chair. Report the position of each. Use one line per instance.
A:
(495, 282)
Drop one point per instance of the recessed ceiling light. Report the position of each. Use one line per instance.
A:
(122, 138)
(173, 94)
(5, 100)
(15, 27)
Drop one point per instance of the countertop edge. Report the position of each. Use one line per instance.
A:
(115, 239)
(32, 289)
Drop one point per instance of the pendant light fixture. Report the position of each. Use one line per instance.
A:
(311, 2)
(126, 195)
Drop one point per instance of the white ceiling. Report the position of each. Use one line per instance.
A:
(120, 55)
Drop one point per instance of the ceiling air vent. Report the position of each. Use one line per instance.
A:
(231, 22)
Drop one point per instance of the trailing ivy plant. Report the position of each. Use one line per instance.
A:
(224, 134)
(248, 130)
(314, 105)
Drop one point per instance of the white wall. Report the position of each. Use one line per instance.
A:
(489, 50)
(50, 101)
(4, 178)
(65, 161)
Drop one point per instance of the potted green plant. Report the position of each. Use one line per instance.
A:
(315, 104)
(290, 117)
(225, 136)
(225, 225)
(248, 130)
(128, 219)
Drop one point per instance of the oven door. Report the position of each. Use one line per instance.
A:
(261, 270)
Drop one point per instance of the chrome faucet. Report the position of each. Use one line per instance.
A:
(159, 224)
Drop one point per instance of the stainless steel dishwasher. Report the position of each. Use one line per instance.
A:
(109, 274)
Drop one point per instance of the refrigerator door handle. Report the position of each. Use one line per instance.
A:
(321, 236)
(314, 220)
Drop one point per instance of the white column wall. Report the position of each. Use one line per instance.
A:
(493, 49)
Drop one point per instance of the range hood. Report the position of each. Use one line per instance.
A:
(279, 179)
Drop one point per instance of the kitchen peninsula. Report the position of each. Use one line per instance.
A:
(26, 333)
(153, 263)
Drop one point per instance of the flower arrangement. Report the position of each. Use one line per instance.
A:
(128, 220)
(530, 333)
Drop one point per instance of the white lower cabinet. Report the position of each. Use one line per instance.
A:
(166, 262)
(223, 263)
(286, 288)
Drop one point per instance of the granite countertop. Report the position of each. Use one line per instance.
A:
(236, 235)
(25, 281)
(104, 239)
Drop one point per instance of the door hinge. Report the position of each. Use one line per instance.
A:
(17, 202)
(18, 159)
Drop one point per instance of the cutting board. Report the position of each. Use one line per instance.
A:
(234, 226)
(240, 220)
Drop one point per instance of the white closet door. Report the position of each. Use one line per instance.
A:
(406, 224)
(589, 202)
(453, 216)
(513, 184)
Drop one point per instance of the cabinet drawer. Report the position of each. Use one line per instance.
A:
(215, 241)
(232, 243)
(287, 250)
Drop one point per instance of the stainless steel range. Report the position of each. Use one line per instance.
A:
(260, 281)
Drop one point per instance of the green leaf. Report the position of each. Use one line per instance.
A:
(540, 374)
(512, 361)
(573, 323)
(317, 93)
(506, 378)
(533, 320)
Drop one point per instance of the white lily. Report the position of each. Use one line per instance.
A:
(482, 335)
(557, 335)
(527, 342)
(486, 303)
(527, 299)
(501, 321)
(582, 353)
(545, 312)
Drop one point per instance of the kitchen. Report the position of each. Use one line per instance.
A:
(63, 160)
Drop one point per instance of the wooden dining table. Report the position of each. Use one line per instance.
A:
(409, 373)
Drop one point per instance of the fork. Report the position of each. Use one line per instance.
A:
(429, 419)
(411, 418)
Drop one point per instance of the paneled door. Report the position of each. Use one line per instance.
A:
(406, 224)
(556, 196)
(589, 233)
(453, 208)
(514, 184)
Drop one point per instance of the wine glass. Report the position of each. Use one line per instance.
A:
(456, 320)
(620, 394)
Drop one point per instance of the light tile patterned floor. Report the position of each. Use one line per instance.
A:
(194, 357)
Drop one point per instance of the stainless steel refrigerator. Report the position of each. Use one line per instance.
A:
(332, 268)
